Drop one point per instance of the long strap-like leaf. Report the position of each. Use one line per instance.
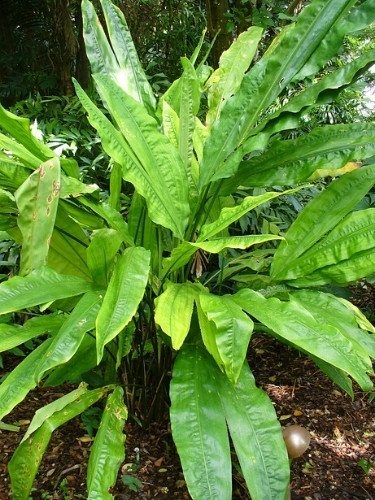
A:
(117, 56)
(26, 459)
(198, 426)
(131, 77)
(264, 83)
(68, 339)
(356, 20)
(353, 235)
(107, 452)
(321, 215)
(319, 92)
(124, 293)
(37, 200)
(233, 63)
(303, 327)
(161, 179)
(19, 128)
(293, 161)
(39, 287)
(256, 436)
(203, 400)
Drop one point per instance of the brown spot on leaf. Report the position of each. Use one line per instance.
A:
(55, 188)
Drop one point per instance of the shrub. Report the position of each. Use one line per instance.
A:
(130, 288)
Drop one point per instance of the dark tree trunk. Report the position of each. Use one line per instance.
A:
(216, 23)
(82, 71)
(67, 45)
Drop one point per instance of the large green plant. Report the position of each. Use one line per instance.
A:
(114, 286)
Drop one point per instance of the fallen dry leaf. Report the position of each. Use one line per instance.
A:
(159, 461)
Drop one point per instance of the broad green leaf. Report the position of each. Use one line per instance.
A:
(256, 436)
(130, 75)
(287, 116)
(21, 380)
(225, 81)
(157, 174)
(173, 311)
(121, 300)
(82, 361)
(84, 218)
(14, 335)
(228, 215)
(335, 313)
(19, 151)
(171, 123)
(357, 19)
(19, 128)
(184, 252)
(360, 265)
(188, 108)
(37, 200)
(199, 137)
(7, 222)
(68, 339)
(297, 324)
(71, 169)
(39, 287)
(233, 331)
(115, 146)
(355, 233)
(71, 187)
(157, 156)
(208, 332)
(174, 95)
(264, 83)
(107, 452)
(25, 462)
(198, 426)
(12, 174)
(293, 161)
(67, 254)
(43, 413)
(113, 218)
(101, 253)
(98, 49)
(321, 215)
(7, 202)
(216, 245)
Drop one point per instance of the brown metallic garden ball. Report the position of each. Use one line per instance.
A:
(297, 440)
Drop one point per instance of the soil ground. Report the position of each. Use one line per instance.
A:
(339, 465)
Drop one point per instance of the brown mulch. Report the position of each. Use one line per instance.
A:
(342, 431)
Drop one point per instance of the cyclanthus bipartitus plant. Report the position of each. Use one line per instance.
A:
(119, 266)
